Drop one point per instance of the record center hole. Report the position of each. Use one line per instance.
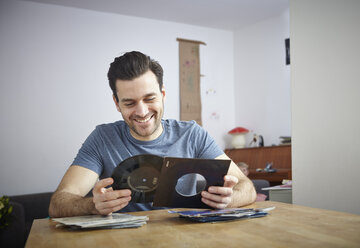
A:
(190, 184)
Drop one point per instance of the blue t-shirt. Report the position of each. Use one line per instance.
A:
(110, 144)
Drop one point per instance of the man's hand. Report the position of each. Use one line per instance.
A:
(107, 200)
(220, 197)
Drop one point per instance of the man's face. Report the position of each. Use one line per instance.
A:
(141, 104)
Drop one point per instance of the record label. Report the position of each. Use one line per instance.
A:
(140, 174)
(143, 179)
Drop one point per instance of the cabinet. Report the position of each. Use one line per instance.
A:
(258, 157)
(281, 195)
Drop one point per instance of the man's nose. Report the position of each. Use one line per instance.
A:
(142, 109)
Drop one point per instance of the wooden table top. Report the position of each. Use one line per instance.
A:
(287, 225)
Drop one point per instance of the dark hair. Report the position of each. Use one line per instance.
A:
(132, 65)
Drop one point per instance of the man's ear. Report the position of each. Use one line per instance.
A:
(163, 93)
(116, 103)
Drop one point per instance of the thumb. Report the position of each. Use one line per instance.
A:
(230, 181)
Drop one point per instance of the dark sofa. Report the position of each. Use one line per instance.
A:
(259, 184)
(26, 208)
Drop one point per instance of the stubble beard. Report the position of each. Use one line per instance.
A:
(157, 116)
(144, 132)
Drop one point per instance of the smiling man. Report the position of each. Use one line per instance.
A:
(139, 95)
(141, 104)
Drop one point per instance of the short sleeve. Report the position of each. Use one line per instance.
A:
(205, 145)
(89, 155)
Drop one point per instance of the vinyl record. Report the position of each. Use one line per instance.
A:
(140, 174)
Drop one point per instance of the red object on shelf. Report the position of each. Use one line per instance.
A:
(237, 130)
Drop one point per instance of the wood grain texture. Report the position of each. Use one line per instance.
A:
(190, 95)
(286, 226)
(258, 157)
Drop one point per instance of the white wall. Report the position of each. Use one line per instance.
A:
(325, 79)
(262, 80)
(54, 90)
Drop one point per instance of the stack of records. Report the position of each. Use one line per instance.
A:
(113, 221)
(223, 214)
(285, 140)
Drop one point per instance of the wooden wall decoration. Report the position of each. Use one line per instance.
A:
(189, 65)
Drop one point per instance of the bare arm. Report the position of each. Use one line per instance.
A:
(238, 190)
(70, 197)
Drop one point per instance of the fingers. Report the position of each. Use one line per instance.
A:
(108, 207)
(217, 197)
(102, 184)
(108, 195)
(107, 200)
(220, 197)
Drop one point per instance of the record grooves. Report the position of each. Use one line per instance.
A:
(140, 174)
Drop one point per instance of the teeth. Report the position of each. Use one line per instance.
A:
(143, 120)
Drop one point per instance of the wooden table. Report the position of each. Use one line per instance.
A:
(286, 226)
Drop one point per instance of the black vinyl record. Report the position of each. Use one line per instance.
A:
(140, 174)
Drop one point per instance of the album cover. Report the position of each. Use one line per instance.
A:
(169, 181)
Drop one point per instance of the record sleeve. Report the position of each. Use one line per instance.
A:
(169, 181)
(174, 169)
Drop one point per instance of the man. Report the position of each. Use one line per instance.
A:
(138, 93)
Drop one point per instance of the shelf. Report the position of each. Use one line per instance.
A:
(273, 177)
(258, 157)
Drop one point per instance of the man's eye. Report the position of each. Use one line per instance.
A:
(150, 99)
(128, 104)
